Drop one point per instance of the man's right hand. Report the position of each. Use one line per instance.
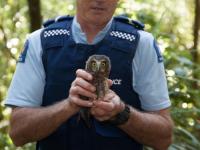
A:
(81, 86)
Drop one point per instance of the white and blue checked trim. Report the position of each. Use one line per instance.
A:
(122, 35)
(56, 32)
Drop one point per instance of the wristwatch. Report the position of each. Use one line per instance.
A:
(120, 118)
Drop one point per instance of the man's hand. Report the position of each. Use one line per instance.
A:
(106, 108)
(81, 86)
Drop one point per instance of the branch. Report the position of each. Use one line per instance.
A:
(6, 51)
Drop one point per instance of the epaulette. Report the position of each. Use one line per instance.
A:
(57, 19)
(138, 25)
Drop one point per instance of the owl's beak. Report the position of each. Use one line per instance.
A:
(98, 66)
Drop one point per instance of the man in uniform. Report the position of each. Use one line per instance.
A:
(49, 79)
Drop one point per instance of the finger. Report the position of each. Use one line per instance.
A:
(107, 106)
(109, 82)
(81, 102)
(102, 118)
(98, 112)
(108, 97)
(83, 74)
(77, 90)
(84, 84)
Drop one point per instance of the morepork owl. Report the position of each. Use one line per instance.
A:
(99, 67)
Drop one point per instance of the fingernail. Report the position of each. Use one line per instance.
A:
(90, 103)
(89, 77)
(93, 88)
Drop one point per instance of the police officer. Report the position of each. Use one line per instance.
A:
(49, 79)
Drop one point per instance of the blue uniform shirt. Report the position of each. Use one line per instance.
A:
(149, 81)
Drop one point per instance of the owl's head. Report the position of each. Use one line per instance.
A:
(98, 64)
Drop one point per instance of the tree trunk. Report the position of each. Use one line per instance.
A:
(196, 31)
(35, 14)
(195, 52)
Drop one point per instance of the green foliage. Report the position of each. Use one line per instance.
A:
(12, 32)
(171, 22)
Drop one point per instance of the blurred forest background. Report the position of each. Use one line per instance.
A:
(175, 24)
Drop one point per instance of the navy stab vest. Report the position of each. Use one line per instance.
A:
(62, 57)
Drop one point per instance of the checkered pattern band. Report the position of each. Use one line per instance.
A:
(56, 32)
(122, 35)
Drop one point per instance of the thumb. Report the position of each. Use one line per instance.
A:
(109, 82)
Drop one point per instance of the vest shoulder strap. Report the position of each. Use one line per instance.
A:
(136, 24)
(54, 33)
(58, 19)
(54, 30)
(127, 35)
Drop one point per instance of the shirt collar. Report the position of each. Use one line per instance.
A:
(80, 37)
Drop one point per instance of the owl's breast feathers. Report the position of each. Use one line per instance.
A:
(101, 84)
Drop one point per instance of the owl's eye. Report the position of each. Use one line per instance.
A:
(93, 64)
(103, 64)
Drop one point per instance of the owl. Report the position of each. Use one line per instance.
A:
(99, 67)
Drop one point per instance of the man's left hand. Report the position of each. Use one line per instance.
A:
(107, 107)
